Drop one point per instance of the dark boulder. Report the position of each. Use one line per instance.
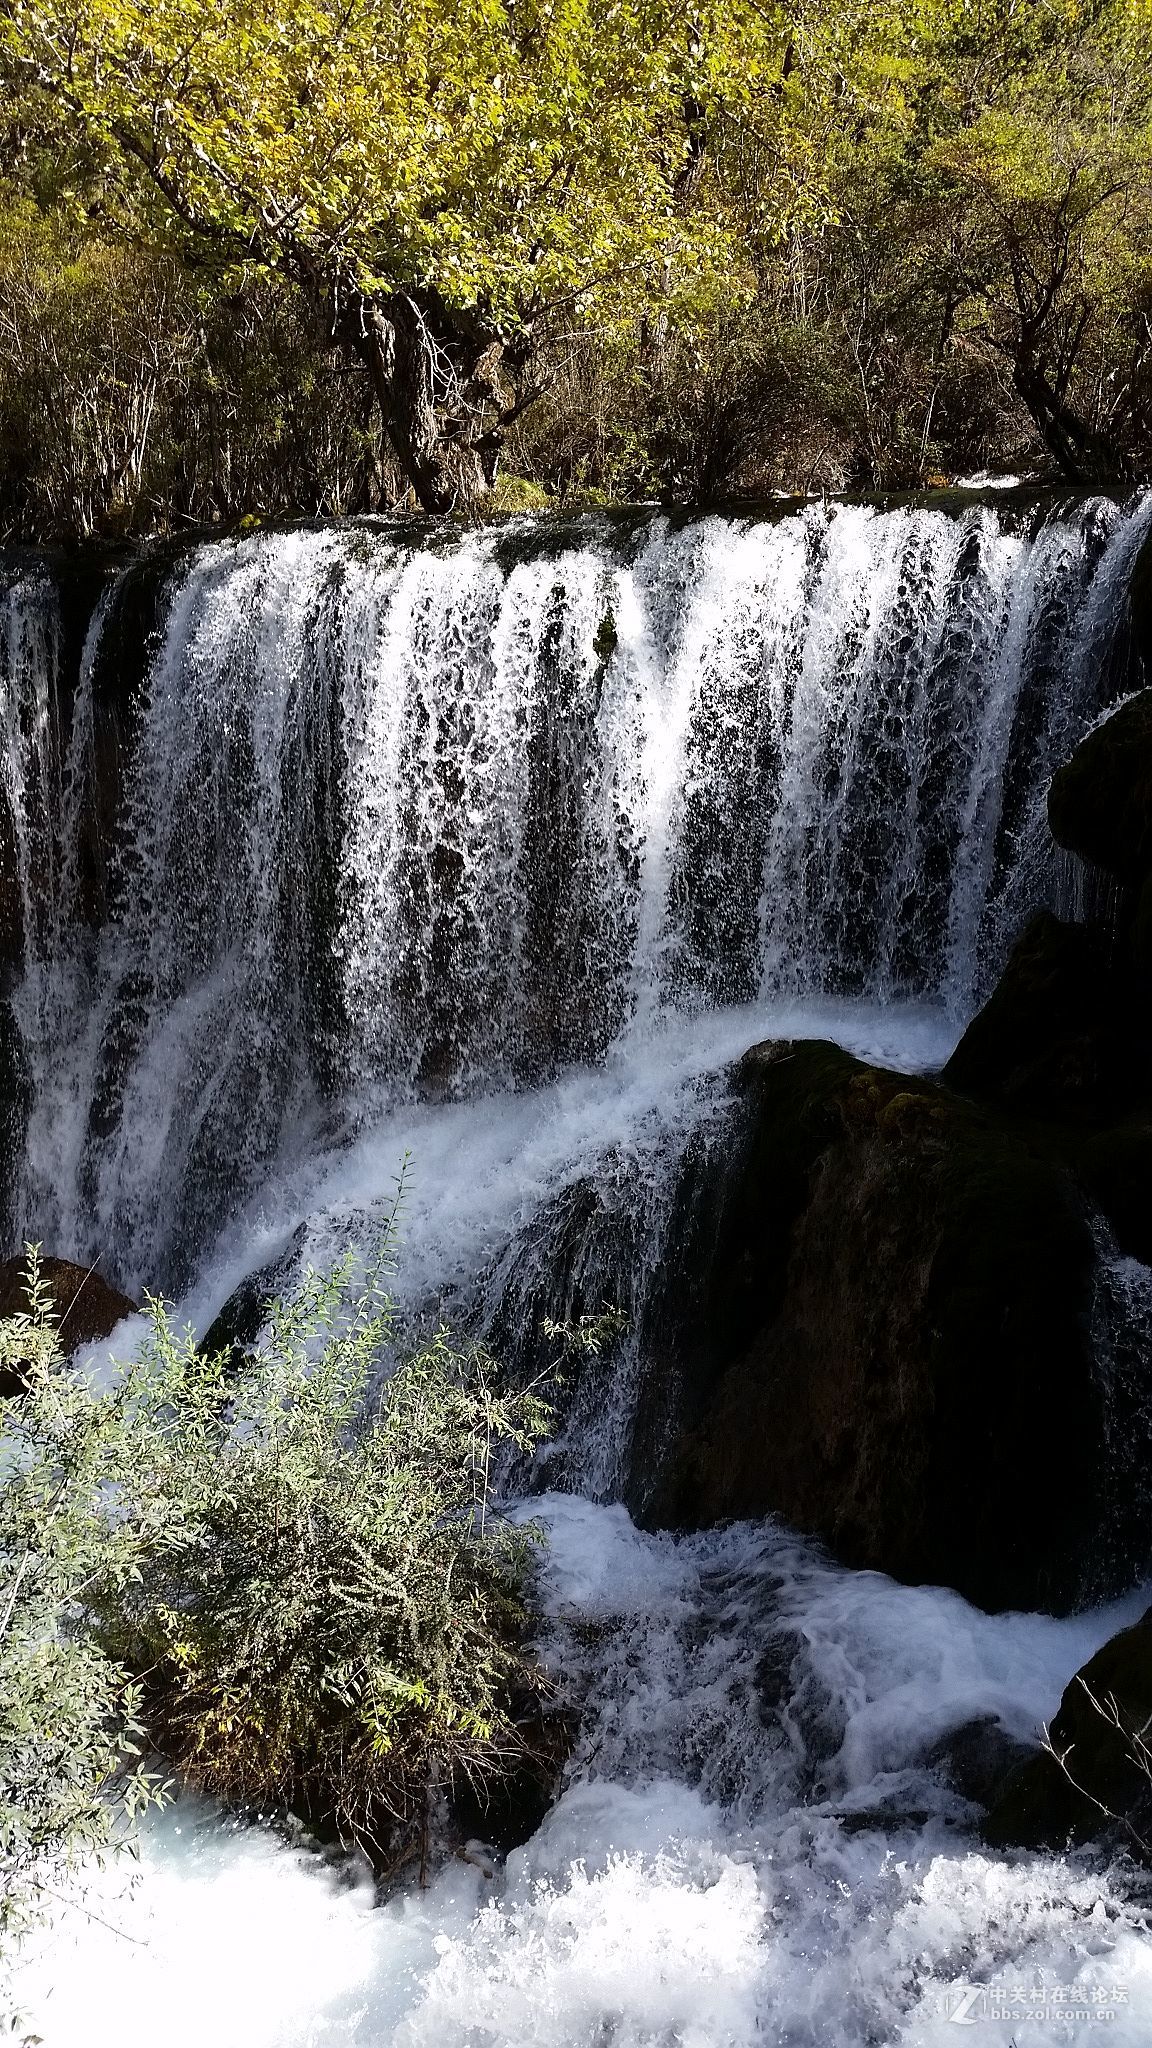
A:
(1094, 1779)
(239, 1323)
(890, 1346)
(87, 1307)
(978, 1758)
(1063, 1034)
(1065, 1041)
(1100, 802)
(1115, 1169)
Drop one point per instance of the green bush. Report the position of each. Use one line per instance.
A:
(300, 1597)
(71, 1780)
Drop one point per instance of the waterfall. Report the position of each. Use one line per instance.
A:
(495, 849)
(414, 820)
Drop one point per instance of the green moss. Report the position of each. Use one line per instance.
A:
(607, 640)
(518, 494)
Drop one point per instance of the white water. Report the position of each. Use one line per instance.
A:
(418, 857)
(695, 1886)
(411, 822)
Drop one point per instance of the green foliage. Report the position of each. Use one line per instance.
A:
(798, 245)
(134, 391)
(71, 1780)
(298, 1596)
(587, 1337)
(516, 494)
(328, 1613)
(443, 179)
(500, 152)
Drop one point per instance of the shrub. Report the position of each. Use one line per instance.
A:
(307, 1599)
(71, 1780)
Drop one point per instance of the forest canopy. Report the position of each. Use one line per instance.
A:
(320, 257)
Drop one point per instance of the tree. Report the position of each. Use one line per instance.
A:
(446, 178)
(1035, 127)
(759, 242)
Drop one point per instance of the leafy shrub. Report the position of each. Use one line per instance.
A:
(305, 1598)
(71, 1780)
(329, 1613)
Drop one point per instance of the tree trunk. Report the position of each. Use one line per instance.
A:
(1084, 455)
(448, 438)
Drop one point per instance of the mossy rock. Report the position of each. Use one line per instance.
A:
(512, 494)
(1098, 1782)
(891, 1346)
(1100, 802)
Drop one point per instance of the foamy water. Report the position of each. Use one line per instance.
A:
(696, 1883)
(482, 1169)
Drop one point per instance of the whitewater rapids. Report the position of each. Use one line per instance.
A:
(697, 1885)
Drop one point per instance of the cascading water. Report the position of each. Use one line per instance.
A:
(408, 821)
(754, 1846)
(497, 849)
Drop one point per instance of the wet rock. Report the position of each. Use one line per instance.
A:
(891, 1343)
(1063, 1033)
(977, 1759)
(1066, 1038)
(1098, 1781)
(506, 1811)
(88, 1308)
(776, 1673)
(1139, 648)
(1115, 1168)
(1100, 802)
(882, 1820)
(244, 1314)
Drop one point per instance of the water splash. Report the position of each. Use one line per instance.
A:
(753, 1845)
